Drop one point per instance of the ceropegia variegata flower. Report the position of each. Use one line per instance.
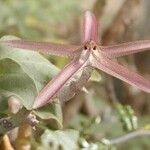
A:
(87, 54)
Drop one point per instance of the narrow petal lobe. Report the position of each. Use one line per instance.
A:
(121, 73)
(89, 27)
(46, 94)
(44, 47)
(126, 48)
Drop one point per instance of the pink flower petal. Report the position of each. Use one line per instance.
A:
(125, 48)
(46, 94)
(89, 27)
(121, 73)
(44, 47)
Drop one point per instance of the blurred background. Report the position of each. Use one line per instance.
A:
(96, 114)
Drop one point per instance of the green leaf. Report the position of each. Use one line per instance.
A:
(52, 111)
(14, 81)
(67, 140)
(23, 74)
(35, 65)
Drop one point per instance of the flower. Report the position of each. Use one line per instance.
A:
(89, 53)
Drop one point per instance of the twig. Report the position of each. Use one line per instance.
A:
(131, 135)
(5, 144)
(24, 135)
(9, 123)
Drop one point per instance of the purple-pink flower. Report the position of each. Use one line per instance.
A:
(87, 54)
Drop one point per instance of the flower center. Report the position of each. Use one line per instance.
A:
(90, 45)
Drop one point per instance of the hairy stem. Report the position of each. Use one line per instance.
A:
(131, 135)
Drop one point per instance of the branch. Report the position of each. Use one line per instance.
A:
(9, 123)
(134, 134)
(5, 144)
(24, 136)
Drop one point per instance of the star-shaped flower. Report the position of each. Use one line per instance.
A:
(88, 54)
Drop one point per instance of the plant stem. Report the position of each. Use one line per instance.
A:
(131, 135)
(9, 123)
